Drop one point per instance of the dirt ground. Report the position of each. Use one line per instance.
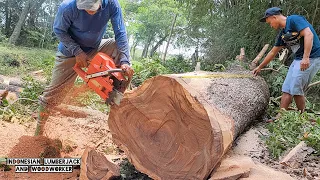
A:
(79, 127)
(70, 130)
(250, 144)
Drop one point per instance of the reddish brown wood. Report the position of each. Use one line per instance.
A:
(179, 126)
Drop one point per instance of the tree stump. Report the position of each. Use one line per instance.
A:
(179, 126)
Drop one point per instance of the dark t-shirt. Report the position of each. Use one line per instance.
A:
(296, 23)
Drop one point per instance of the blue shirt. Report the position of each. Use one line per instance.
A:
(80, 32)
(296, 23)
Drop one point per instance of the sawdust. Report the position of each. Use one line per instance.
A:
(36, 147)
(75, 127)
(10, 134)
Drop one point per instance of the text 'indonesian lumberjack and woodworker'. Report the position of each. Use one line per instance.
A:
(62, 165)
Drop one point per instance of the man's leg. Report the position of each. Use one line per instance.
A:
(109, 47)
(300, 102)
(63, 77)
(286, 100)
(302, 80)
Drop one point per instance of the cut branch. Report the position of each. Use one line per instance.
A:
(271, 69)
(254, 63)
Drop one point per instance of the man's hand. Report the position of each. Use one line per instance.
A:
(128, 71)
(304, 64)
(256, 71)
(81, 60)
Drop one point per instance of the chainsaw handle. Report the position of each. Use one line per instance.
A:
(115, 70)
(79, 71)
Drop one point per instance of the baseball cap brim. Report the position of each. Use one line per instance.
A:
(92, 5)
(263, 19)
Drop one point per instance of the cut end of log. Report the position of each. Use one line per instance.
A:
(95, 165)
(171, 127)
(166, 125)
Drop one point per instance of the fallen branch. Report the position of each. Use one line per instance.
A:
(259, 56)
(242, 55)
(5, 109)
(313, 84)
(276, 70)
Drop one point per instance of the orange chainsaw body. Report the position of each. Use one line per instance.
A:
(102, 85)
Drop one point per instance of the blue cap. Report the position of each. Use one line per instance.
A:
(270, 12)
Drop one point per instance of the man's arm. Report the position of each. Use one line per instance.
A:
(308, 42)
(61, 25)
(270, 56)
(120, 32)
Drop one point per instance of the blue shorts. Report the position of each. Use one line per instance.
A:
(297, 81)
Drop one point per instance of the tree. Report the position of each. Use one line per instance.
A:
(30, 4)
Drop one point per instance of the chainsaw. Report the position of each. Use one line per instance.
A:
(104, 78)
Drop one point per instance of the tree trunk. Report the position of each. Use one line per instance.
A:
(179, 126)
(171, 32)
(146, 48)
(16, 32)
(7, 25)
(154, 48)
(33, 5)
(133, 49)
(34, 12)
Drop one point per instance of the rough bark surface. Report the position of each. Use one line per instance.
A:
(179, 126)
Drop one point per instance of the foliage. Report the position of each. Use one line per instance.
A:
(21, 110)
(128, 171)
(178, 65)
(29, 59)
(32, 89)
(150, 22)
(291, 128)
(2, 37)
(275, 79)
(147, 68)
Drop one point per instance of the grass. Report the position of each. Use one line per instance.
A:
(19, 61)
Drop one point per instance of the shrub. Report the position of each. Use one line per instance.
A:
(147, 68)
(290, 129)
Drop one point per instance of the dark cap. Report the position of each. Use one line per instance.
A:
(270, 12)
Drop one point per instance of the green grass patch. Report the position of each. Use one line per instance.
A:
(19, 61)
(290, 129)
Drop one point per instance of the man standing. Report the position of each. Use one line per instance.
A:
(80, 26)
(298, 33)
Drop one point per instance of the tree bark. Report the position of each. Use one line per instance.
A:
(179, 126)
(146, 48)
(34, 12)
(154, 48)
(133, 49)
(16, 32)
(171, 32)
(8, 19)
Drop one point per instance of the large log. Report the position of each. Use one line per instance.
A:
(179, 126)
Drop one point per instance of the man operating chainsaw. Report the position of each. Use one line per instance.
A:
(298, 34)
(80, 26)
